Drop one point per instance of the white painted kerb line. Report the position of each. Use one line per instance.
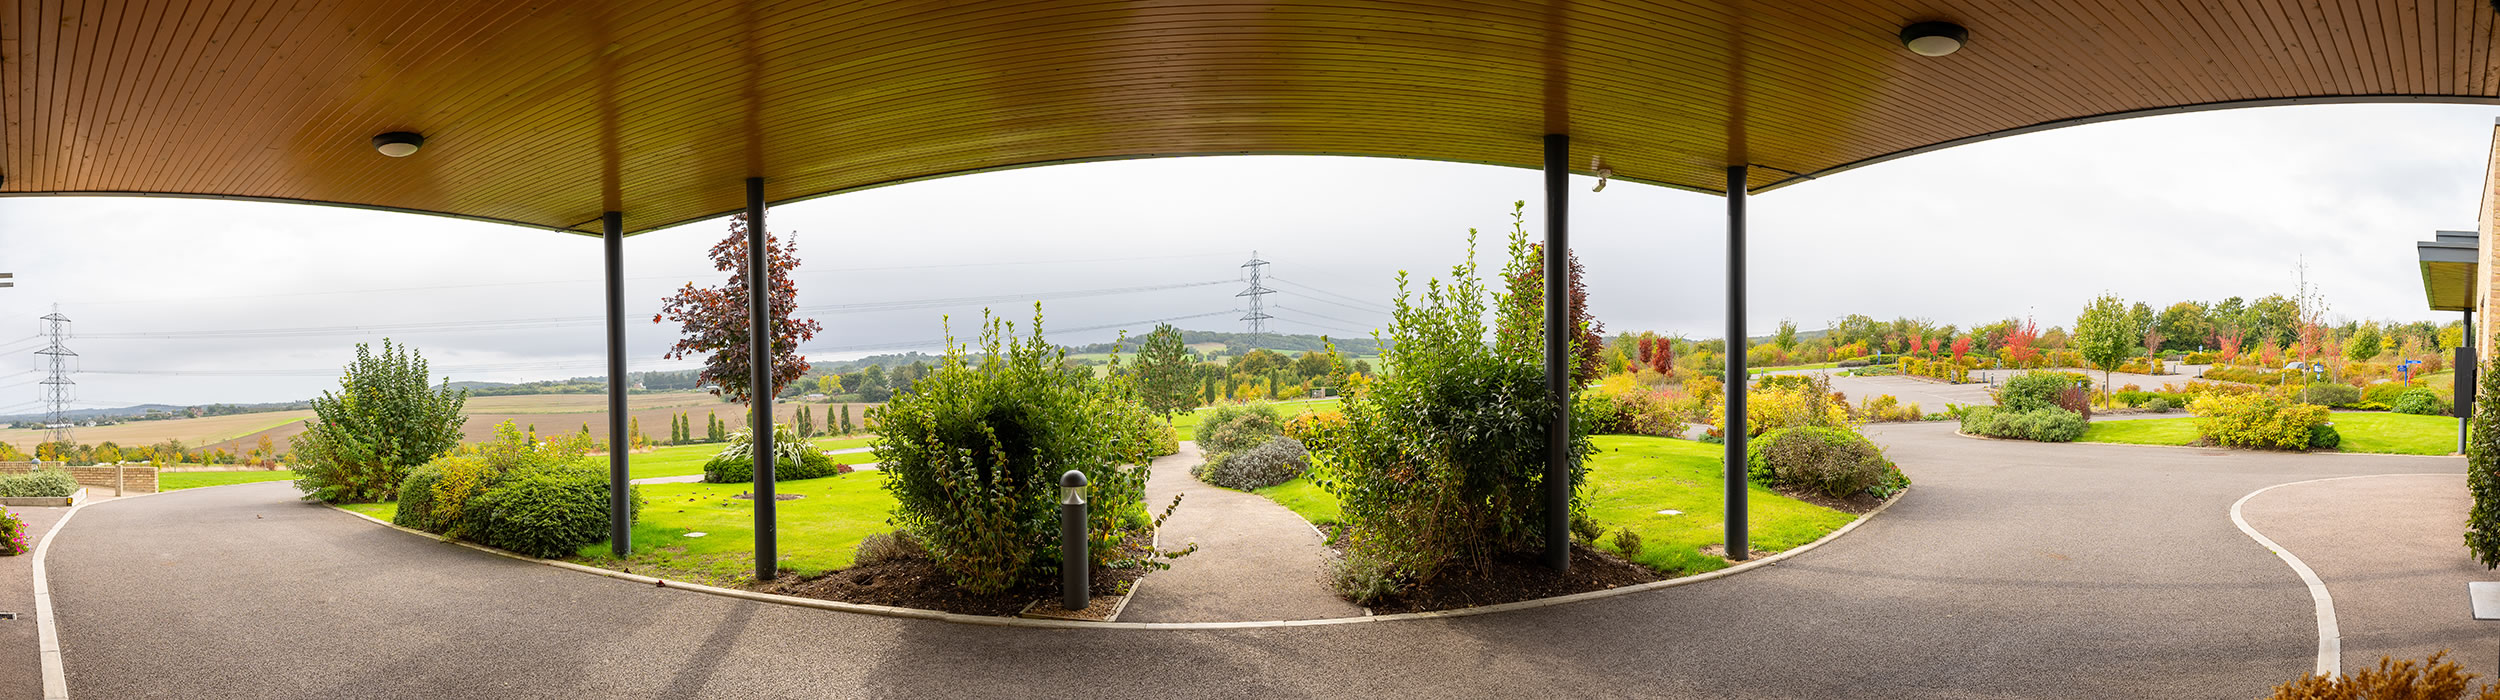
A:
(2330, 638)
(47, 632)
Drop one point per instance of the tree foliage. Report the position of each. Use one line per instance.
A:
(712, 321)
(1166, 377)
(1522, 306)
(2105, 335)
(382, 421)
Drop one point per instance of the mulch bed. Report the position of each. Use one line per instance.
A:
(917, 582)
(1515, 577)
(1856, 504)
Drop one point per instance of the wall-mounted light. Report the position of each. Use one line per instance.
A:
(1598, 164)
(398, 144)
(1934, 38)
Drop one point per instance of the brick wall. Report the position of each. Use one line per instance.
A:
(98, 480)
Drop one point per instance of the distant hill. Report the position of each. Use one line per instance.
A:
(1237, 343)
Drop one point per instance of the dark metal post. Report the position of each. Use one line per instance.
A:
(1558, 332)
(760, 382)
(1739, 545)
(2468, 365)
(1076, 562)
(620, 470)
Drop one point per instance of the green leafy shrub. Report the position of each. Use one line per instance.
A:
(1279, 460)
(548, 512)
(2159, 404)
(40, 483)
(1237, 427)
(2046, 424)
(382, 422)
(2324, 437)
(2256, 420)
(2034, 390)
(1162, 439)
(1363, 578)
(794, 458)
(541, 498)
(2385, 392)
(2330, 394)
(2420, 402)
(1627, 542)
(1835, 462)
(12, 535)
(1443, 460)
(974, 452)
(2201, 358)
(1853, 362)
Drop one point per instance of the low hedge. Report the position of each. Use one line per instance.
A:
(1836, 462)
(2420, 402)
(2329, 394)
(2045, 424)
(2258, 421)
(40, 483)
(540, 499)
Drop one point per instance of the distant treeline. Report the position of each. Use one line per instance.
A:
(1238, 343)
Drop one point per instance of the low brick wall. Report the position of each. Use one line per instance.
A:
(100, 480)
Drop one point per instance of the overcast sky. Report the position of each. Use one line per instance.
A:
(2197, 206)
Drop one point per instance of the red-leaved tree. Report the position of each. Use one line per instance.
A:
(714, 319)
(1961, 346)
(2019, 342)
(2229, 340)
(1523, 322)
(1662, 356)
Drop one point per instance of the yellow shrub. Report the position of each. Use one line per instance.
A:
(2256, 420)
(464, 477)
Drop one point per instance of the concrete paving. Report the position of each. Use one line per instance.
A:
(1256, 560)
(2012, 569)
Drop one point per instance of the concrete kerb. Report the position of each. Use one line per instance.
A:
(914, 613)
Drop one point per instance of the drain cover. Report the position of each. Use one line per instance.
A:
(8, 616)
(697, 534)
(1670, 512)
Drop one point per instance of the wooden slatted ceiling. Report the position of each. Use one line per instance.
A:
(546, 114)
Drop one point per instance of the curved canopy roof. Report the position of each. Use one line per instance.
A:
(547, 113)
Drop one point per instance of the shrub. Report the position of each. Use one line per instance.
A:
(2047, 424)
(12, 535)
(548, 512)
(885, 547)
(1363, 578)
(1586, 529)
(1277, 461)
(973, 455)
(1853, 362)
(1787, 401)
(1634, 412)
(1444, 459)
(2256, 420)
(2431, 679)
(2420, 402)
(1627, 541)
(2200, 358)
(1239, 427)
(2330, 394)
(2159, 404)
(2324, 437)
(794, 458)
(1835, 462)
(2482, 470)
(2034, 390)
(40, 483)
(1162, 439)
(382, 422)
(2385, 392)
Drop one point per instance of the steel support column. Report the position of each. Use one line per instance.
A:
(1558, 350)
(2468, 369)
(1739, 545)
(760, 382)
(620, 448)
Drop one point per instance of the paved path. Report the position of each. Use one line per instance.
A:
(1256, 560)
(20, 674)
(2388, 549)
(2011, 570)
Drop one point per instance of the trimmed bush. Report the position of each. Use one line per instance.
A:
(1276, 461)
(1835, 462)
(794, 458)
(2420, 402)
(2330, 394)
(2034, 390)
(546, 512)
(2048, 424)
(1853, 362)
(2323, 437)
(2385, 392)
(40, 483)
(2159, 404)
(2257, 420)
(1239, 427)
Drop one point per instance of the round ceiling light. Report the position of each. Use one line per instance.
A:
(1934, 38)
(398, 144)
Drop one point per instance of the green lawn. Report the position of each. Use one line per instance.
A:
(682, 460)
(175, 481)
(1631, 479)
(2381, 433)
(2150, 431)
(1187, 423)
(385, 511)
(818, 532)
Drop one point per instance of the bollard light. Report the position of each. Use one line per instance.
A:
(1075, 584)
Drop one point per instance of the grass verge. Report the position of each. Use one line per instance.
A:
(1187, 423)
(2363, 431)
(175, 481)
(818, 531)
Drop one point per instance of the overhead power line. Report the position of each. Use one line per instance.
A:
(1308, 312)
(1363, 304)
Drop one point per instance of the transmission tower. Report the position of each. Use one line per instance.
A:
(1256, 315)
(58, 389)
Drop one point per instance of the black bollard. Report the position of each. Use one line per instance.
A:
(1075, 584)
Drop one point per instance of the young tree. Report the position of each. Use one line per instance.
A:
(1786, 338)
(633, 432)
(2019, 342)
(1522, 312)
(713, 320)
(2105, 336)
(2152, 346)
(2365, 343)
(1164, 373)
(846, 420)
(382, 421)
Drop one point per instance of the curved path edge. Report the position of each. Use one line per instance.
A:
(2330, 635)
(915, 613)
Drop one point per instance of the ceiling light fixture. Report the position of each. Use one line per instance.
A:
(1934, 38)
(398, 144)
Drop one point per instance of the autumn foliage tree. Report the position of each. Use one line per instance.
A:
(1523, 311)
(713, 320)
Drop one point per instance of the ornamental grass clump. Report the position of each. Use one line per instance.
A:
(974, 452)
(1443, 461)
(794, 458)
